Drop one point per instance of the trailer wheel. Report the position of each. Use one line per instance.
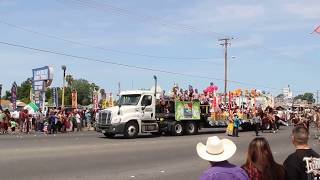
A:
(109, 135)
(267, 126)
(177, 129)
(191, 128)
(131, 130)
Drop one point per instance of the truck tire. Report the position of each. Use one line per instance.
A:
(109, 135)
(191, 128)
(131, 130)
(267, 126)
(177, 129)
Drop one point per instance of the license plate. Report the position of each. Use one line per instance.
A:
(103, 131)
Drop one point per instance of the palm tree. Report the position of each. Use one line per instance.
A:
(69, 80)
(103, 93)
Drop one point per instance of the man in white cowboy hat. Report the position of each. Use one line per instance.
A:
(217, 152)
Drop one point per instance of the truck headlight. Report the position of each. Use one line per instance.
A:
(116, 120)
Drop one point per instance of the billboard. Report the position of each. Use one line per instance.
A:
(42, 74)
(187, 110)
(41, 79)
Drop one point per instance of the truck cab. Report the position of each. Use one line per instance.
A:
(134, 114)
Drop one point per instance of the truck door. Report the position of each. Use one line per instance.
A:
(147, 108)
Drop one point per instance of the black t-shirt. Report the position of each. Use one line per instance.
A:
(295, 166)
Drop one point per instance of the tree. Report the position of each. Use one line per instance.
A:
(69, 80)
(306, 96)
(280, 96)
(103, 93)
(7, 95)
(23, 91)
(84, 90)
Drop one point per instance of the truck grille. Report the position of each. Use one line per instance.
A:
(104, 118)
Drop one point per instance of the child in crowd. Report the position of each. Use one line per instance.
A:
(13, 125)
(45, 128)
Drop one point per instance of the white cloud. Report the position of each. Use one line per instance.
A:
(295, 52)
(240, 11)
(252, 40)
(154, 40)
(304, 9)
(206, 12)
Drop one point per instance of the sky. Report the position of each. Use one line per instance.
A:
(272, 45)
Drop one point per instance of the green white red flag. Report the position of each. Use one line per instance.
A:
(31, 107)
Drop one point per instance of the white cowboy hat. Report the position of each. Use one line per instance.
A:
(216, 150)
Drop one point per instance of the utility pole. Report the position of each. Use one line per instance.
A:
(63, 67)
(225, 42)
(119, 89)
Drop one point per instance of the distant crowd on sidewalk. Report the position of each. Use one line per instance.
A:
(303, 164)
(56, 120)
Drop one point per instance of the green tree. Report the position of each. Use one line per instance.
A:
(23, 91)
(7, 95)
(69, 80)
(306, 96)
(280, 96)
(84, 90)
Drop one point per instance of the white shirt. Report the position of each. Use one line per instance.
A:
(78, 118)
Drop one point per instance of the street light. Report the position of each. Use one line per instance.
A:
(155, 85)
(63, 67)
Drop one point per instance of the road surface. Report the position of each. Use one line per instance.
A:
(88, 155)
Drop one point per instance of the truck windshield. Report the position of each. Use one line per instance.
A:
(132, 99)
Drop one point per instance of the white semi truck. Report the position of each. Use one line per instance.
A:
(139, 111)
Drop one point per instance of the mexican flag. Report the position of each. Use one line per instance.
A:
(31, 107)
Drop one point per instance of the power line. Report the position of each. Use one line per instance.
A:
(108, 61)
(200, 59)
(125, 12)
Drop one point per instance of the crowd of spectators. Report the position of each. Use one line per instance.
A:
(56, 120)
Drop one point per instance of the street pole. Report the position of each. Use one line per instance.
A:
(225, 43)
(155, 85)
(63, 67)
(119, 88)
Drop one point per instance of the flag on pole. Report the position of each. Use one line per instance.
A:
(317, 30)
(14, 95)
(31, 107)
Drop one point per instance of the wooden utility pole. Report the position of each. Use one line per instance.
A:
(119, 89)
(225, 42)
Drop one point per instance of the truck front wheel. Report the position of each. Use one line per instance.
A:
(191, 128)
(177, 129)
(131, 130)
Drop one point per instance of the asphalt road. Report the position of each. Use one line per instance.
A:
(89, 155)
